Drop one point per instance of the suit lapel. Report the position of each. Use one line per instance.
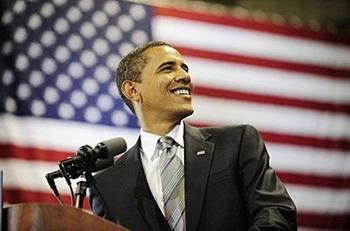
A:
(198, 157)
(135, 184)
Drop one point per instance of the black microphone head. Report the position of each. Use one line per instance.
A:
(101, 164)
(111, 147)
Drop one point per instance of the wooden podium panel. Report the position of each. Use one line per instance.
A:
(50, 217)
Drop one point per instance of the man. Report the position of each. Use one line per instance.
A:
(222, 177)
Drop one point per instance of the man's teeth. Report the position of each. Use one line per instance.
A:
(182, 92)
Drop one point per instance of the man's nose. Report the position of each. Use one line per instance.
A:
(183, 77)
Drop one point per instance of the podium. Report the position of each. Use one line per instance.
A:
(37, 217)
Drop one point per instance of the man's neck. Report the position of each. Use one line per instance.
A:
(160, 128)
(158, 123)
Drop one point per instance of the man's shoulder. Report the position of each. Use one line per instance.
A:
(231, 129)
(228, 133)
(104, 173)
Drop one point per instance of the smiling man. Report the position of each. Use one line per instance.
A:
(177, 177)
(161, 97)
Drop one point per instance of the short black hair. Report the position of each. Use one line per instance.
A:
(131, 66)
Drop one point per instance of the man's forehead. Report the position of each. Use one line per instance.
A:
(162, 52)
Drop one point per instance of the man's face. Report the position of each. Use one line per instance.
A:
(166, 86)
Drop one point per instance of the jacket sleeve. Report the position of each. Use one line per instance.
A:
(97, 205)
(267, 201)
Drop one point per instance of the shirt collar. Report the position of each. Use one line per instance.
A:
(149, 140)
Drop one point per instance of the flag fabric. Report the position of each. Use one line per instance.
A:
(58, 92)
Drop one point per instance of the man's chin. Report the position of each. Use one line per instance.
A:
(182, 114)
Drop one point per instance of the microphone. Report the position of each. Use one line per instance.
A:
(99, 165)
(103, 150)
(87, 160)
(111, 147)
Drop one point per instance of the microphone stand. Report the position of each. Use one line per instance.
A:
(82, 186)
(80, 194)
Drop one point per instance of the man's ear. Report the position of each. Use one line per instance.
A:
(129, 90)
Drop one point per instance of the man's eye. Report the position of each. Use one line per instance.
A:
(185, 68)
(167, 69)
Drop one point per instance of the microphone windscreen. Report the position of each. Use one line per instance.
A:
(114, 146)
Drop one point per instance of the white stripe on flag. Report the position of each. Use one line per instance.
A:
(58, 134)
(30, 175)
(267, 81)
(227, 39)
(307, 160)
(285, 120)
(311, 199)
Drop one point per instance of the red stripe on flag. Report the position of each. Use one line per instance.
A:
(309, 141)
(25, 196)
(340, 144)
(31, 153)
(15, 196)
(228, 20)
(268, 99)
(326, 72)
(324, 221)
(339, 182)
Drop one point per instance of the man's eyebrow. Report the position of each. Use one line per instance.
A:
(172, 63)
(166, 64)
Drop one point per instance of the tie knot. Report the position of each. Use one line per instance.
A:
(166, 142)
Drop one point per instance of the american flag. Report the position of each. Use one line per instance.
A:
(58, 93)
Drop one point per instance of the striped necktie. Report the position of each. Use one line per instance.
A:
(173, 183)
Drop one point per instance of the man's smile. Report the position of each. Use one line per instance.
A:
(181, 91)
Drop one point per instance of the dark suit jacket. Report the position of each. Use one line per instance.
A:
(229, 187)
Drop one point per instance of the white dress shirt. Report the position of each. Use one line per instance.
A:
(150, 162)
